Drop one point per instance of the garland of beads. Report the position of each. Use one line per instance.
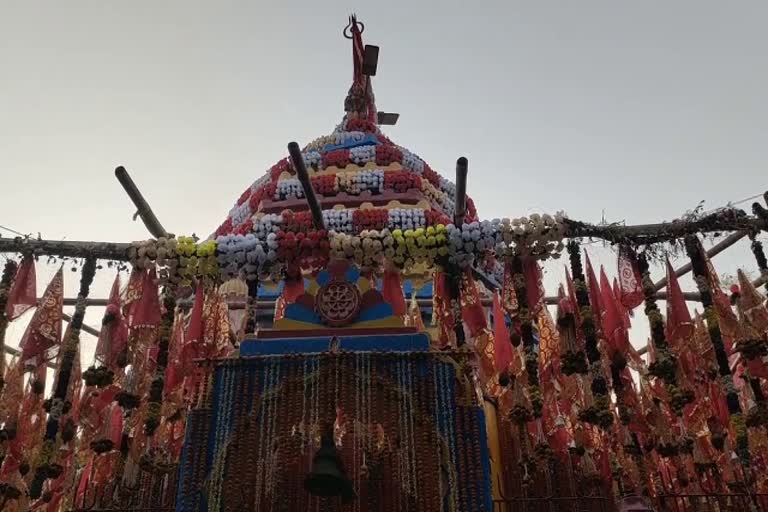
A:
(598, 414)
(700, 273)
(9, 271)
(665, 366)
(526, 333)
(61, 386)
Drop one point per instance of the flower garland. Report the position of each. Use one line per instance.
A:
(762, 261)
(45, 467)
(600, 412)
(9, 271)
(701, 273)
(665, 366)
(537, 236)
(154, 403)
(525, 320)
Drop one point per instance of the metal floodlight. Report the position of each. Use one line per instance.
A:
(387, 118)
(370, 59)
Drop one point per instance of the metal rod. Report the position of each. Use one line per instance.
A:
(143, 209)
(716, 249)
(461, 191)
(306, 184)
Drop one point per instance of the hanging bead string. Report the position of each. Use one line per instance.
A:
(263, 418)
(700, 273)
(274, 433)
(222, 422)
(412, 426)
(9, 271)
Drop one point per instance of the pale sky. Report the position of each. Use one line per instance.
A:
(637, 109)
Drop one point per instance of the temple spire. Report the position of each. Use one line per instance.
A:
(360, 99)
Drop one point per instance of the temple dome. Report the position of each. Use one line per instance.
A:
(362, 180)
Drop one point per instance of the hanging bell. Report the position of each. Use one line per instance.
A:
(327, 478)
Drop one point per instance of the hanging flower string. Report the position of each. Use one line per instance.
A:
(700, 273)
(9, 270)
(598, 413)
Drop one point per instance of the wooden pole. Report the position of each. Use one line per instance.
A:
(306, 184)
(716, 249)
(142, 207)
(460, 208)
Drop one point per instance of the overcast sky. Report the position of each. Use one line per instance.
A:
(636, 109)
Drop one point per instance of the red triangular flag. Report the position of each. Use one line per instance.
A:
(113, 336)
(626, 313)
(594, 294)
(679, 323)
(533, 288)
(392, 290)
(23, 293)
(613, 326)
(44, 330)
(502, 344)
(146, 312)
(195, 329)
(472, 310)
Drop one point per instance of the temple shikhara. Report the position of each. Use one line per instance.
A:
(356, 337)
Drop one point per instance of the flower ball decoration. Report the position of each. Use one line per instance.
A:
(361, 155)
(539, 236)
(313, 158)
(246, 255)
(339, 221)
(297, 251)
(339, 158)
(386, 155)
(406, 218)
(289, 189)
(470, 242)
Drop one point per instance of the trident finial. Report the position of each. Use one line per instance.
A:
(352, 23)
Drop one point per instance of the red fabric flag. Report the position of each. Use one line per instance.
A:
(113, 336)
(626, 313)
(679, 323)
(594, 294)
(471, 306)
(613, 327)
(116, 425)
(442, 306)
(44, 330)
(503, 347)
(195, 329)
(533, 287)
(392, 290)
(145, 312)
(630, 280)
(23, 293)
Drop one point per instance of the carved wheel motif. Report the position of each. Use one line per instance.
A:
(337, 303)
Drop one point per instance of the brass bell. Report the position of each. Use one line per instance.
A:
(327, 478)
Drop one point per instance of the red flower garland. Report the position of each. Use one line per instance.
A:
(361, 125)
(338, 158)
(401, 181)
(431, 176)
(370, 219)
(435, 217)
(225, 228)
(244, 196)
(325, 184)
(279, 168)
(299, 250)
(297, 222)
(245, 228)
(386, 154)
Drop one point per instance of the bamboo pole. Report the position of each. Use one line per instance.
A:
(143, 209)
(306, 184)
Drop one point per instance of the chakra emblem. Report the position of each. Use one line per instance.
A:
(337, 303)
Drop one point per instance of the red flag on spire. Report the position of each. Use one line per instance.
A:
(679, 322)
(44, 330)
(23, 294)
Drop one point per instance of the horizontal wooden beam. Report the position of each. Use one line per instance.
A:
(66, 248)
